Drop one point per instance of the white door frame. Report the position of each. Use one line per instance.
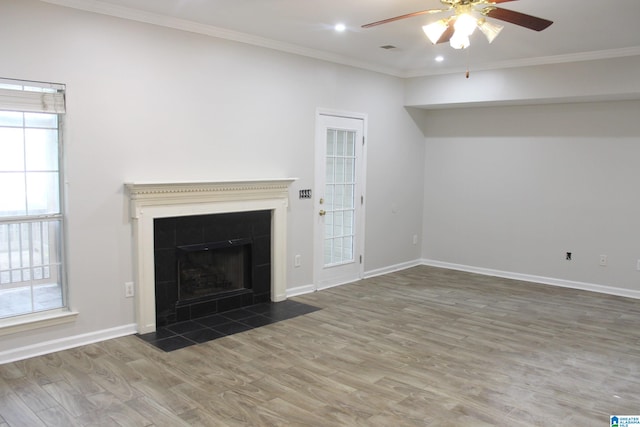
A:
(360, 225)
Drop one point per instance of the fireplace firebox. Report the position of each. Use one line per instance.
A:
(206, 264)
(213, 268)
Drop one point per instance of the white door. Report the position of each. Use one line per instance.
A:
(339, 200)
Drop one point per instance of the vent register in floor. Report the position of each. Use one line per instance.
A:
(200, 330)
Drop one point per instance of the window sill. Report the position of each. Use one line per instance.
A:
(30, 322)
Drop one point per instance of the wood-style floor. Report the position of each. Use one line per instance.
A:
(420, 347)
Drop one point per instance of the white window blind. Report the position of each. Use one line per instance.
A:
(32, 97)
(34, 102)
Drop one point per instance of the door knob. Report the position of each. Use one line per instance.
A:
(322, 212)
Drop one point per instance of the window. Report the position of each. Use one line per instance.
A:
(340, 202)
(31, 215)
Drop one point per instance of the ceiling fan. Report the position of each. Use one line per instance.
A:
(457, 28)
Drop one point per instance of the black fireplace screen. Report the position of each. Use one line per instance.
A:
(213, 268)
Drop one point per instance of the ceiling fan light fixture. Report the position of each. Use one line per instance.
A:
(435, 30)
(459, 41)
(465, 24)
(489, 29)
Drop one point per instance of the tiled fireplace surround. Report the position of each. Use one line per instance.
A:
(248, 232)
(174, 200)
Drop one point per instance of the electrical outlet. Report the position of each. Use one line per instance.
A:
(297, 261)
(568, 256)
(129, 290)
(638, 265)
(603, 260)
(415, 239)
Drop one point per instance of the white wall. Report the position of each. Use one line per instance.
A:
(151, 104)
(514, 188)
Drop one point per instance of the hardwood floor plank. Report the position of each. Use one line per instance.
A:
(200, 418)
(57, 416)
(69, 397)
(157, 373)
(82, 381)
(31, 393)
(36, 369)
(116, 377)
(154, 412)
(295, 414)
(164, 397)
(205, 399)
(16, 413)
(10, 371)
(111, 411)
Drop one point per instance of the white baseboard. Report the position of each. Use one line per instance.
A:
(392, 268)
(306, 289)
(66, 343)
(592, 287)
(300, 290)
(333, 285)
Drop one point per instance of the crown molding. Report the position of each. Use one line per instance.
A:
(131, 14)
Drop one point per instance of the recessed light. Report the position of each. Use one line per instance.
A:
(340, 27)
(439, 58)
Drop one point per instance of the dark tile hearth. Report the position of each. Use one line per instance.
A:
(197, 331)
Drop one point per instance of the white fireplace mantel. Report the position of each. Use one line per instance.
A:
(163, 200)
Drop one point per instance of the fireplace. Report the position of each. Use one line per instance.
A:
(206, 264)
(151, 202)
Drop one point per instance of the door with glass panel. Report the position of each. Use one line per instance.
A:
(339, 200)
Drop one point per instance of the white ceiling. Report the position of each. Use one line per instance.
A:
(582, 29)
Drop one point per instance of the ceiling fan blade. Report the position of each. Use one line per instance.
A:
(524, 20)
(448, 33)
(408, 15)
